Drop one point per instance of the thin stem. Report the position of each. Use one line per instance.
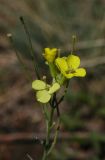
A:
(57, 108)
(55, 138)
(44, 155)
(49, 147)
(57, 129)
(45, 112)
(58, 126)
(73, 43)
(62, 98)
(49, 127)
(30, 47)
(9, 35)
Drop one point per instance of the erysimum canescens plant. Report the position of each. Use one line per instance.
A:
(62, 69)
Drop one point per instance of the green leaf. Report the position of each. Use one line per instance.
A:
(54, 88)
(43, 96)
(38, 85)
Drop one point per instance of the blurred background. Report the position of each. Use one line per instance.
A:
(52, 23)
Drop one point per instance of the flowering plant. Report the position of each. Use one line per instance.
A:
(62, 69)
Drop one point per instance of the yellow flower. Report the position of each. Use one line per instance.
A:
(50, 54)
(68, 66)
(44, 91)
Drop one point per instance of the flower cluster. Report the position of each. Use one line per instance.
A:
(44, 91)
(62, 69)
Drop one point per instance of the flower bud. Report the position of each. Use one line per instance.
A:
(50, 54)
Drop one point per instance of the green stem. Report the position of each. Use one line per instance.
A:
(44, 155)
(62, 98)
(29, 76)
(73, 43)
(49, 123)
(35, 65)
(49, 126)
(55, 137)
(57, 129)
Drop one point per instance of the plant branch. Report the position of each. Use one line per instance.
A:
(49, 123)
(62, 98)
(9, 35)
(30, 47)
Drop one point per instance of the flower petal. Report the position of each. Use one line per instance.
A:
(69, 75)
(43, 96)
(73, 62)
(38, 85)
(62, 64)
(81, 72)
(54, 88)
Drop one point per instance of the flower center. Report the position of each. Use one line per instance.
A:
(70, 71)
